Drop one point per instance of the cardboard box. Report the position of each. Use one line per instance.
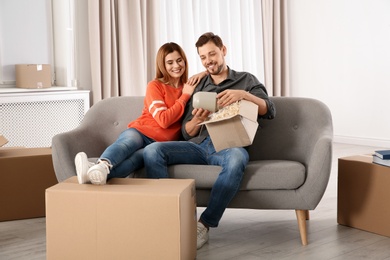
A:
(33, 75)
(25, 174)
(235, 130)
(3, 141)
(363, 194)
(125, 219)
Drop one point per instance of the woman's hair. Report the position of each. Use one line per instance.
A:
(207, 37)
(161, 72)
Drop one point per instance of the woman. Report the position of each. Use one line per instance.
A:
(164, 104)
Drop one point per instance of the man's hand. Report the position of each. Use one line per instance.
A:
(230, 96)
(200, 115)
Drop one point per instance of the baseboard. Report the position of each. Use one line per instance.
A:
(362, 141)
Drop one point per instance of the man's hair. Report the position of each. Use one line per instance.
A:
(207, 37)
(161, 72)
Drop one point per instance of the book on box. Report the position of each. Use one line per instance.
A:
(377, 160)
(383, 154)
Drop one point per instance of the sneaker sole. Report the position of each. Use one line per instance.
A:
(202, 242)
(81, 162)
(96, 177)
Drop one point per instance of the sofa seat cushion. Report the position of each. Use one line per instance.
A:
(259, 175)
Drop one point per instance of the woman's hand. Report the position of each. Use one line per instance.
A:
(195, 79)
(188, 89)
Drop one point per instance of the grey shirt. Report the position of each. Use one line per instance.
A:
(235, 80)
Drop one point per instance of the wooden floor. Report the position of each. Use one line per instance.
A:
(246, 234)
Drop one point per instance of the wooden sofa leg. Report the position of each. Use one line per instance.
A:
(307, 215)
(302, 215)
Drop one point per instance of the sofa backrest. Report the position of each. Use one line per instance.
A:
(109, 117)
(298, 125)
(291, 135)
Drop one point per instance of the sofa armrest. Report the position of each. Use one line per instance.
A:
(318, 172)
(65, 146)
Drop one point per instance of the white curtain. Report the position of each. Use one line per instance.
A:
(276, 48)
(125, 36)
(121, 35)
(238, 23)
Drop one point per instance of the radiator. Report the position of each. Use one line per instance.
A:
(32, 119)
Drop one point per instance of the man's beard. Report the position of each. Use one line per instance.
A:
(220, 68)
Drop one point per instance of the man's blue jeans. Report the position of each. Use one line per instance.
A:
(126, 153)
(159, 155)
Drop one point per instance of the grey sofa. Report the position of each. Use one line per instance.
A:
(290, 158)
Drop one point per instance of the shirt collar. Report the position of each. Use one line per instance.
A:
(230, 76)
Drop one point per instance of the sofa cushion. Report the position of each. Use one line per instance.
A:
(259, 175)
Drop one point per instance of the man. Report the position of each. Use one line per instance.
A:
(231, 86)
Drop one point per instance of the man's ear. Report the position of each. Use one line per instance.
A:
(224, 50)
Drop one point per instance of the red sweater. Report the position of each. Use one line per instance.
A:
(163, 107)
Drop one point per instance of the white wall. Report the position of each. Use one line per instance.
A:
(25, 36)
(340, 54)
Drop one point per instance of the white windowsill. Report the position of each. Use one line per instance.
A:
(28, 90)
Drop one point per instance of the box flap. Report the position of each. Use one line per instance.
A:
(23, 152)
(246, 109)
(237, 132)
(361, 158)
(3, 140)
(249, 110)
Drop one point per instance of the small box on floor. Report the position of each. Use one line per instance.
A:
(125, 219)
(25, 174)
(33, 75)
(363, 194)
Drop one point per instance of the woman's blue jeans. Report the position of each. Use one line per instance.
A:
(126, 153)
(159, 155)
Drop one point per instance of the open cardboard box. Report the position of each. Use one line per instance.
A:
(235, 130)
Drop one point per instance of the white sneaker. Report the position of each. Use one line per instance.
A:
(82, 166)
(202, 235)
(97, 174)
